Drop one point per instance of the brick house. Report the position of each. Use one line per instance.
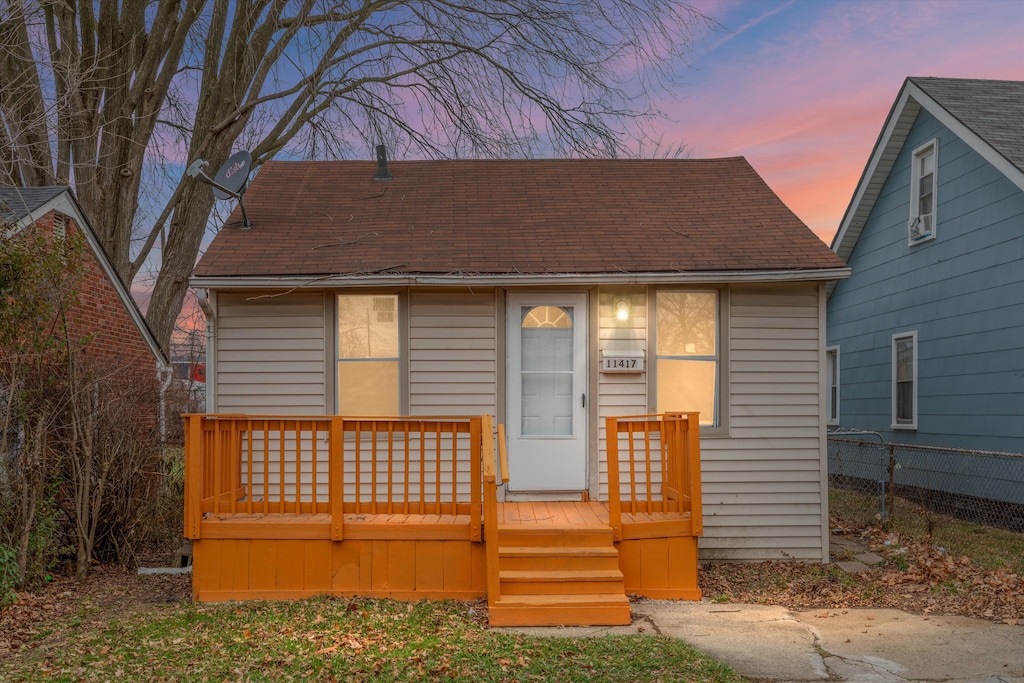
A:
(107, 314)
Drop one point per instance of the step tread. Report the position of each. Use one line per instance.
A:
(566, 575)
(558, 551)
(560, 615)
(574, 529)
(538, 600)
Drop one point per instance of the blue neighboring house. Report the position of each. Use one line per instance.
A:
(925, 341)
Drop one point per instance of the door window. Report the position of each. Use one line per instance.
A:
(546, 348)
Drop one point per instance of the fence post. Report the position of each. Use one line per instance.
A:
(892, 479)
(336, 477)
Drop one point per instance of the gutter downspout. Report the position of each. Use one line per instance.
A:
(203, 296)
(164, 376)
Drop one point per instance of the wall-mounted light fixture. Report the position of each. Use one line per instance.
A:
(622, 307)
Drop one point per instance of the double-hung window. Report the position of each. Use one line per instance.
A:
(832, 380)
(368, 354)
(904, 380)
(688, 358)
(922, 193)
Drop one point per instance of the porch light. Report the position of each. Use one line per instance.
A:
(622, 307)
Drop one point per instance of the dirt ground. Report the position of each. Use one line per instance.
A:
(915, 577)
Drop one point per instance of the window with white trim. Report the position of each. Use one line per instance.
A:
(687, 358)
(923, 184)
(832, 385)
(904, 380)
(368, 354)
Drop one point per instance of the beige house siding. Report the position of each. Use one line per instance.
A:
(453, 358)
(618, 393)
(762, 488)
(271, 354)
(453, 353)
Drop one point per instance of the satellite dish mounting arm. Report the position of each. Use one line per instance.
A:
(195, 170)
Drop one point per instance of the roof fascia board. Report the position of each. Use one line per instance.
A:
(66, 203)
(885, 139)
(524, 280)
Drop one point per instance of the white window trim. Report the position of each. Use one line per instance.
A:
(829, 404)
(915, 191)
(912, 336)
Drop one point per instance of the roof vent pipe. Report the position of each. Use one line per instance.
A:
(382, 164)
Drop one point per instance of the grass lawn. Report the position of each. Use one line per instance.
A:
(340, 639)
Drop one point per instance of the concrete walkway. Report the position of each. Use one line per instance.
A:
(863, 645)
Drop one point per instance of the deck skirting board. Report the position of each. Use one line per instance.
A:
(225, 569)
(318, 527)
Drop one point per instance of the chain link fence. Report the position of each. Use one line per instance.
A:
(983, 487)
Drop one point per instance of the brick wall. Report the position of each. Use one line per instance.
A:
(115, 342)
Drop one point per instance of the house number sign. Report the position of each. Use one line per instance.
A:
(622, 361)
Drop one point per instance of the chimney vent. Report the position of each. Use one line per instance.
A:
(382, 164)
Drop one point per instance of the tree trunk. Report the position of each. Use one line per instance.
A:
(188, 225)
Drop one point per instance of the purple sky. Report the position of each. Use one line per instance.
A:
(801, 88)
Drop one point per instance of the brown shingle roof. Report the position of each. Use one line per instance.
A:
(501, 217)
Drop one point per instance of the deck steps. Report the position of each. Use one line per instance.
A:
(558, 576)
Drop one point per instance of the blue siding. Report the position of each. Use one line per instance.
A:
(963, 293)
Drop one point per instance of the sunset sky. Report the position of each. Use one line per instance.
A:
(801, 88)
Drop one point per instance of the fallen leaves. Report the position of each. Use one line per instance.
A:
(915, 576)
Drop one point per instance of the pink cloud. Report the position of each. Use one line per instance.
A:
(802, 89)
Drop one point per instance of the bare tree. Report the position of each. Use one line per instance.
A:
(78, 432)
(106, 93)
(38, 285)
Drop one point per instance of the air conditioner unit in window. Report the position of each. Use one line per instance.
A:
(920, 227)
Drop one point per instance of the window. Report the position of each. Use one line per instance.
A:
(368, 354)
(922, 193)
(687, 361)
(832, 381)
(904, 380)
(546, 348)
(60, 226)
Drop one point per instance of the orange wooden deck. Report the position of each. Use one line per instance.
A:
(537, 563)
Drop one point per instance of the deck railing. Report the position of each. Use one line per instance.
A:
(654, 467)
(337, 465)
(334, 465)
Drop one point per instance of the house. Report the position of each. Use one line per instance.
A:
(554, 297)
(107, 314)
(924, 338)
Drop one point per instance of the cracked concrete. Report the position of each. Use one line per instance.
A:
(773, 644)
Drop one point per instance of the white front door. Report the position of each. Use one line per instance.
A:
(547, 392)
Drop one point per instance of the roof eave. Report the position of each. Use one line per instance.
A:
(587, 279)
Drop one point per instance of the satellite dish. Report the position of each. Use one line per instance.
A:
(230, 180)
